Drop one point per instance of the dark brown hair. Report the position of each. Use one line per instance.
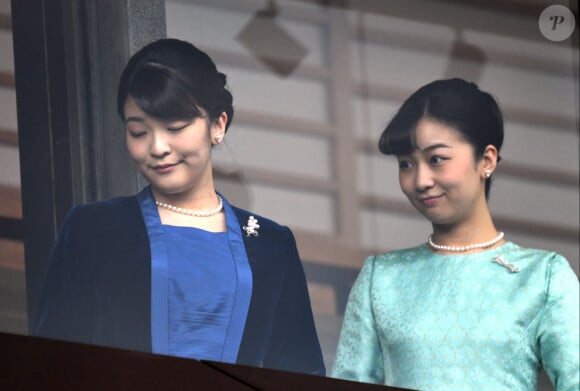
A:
(454, 102)
(172, 79)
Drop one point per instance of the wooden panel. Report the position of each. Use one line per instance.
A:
(8, 137)
(277, 150)
(5, 22)
(8, 118)
(7, 79)
(329, 250)
(6, 59)
(11, 255)
(283, 122)
(10, 202)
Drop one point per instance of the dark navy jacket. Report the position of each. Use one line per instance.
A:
(97, 288)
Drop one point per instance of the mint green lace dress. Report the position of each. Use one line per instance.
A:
(426, 321)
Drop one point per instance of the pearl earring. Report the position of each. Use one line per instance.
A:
(487, 173)
(218, 139)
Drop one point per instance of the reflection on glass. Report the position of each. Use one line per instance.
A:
(363, 59)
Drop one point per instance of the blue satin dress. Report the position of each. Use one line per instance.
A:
(201, 287)
(425, 321)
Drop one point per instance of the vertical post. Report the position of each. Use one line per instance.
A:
(68, 56)
(342, 119)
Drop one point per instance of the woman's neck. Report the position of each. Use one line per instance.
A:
(203, 210)
(468, 233)
(198, 196)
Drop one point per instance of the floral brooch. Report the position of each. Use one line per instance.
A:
(252, 227)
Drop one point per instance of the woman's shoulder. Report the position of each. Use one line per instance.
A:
(540, 260)
(395, 257)
(403, 254)
(115, 208)
(530, 255)
(113, 218)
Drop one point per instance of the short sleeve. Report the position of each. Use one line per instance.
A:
(559, 327)
(358, 355)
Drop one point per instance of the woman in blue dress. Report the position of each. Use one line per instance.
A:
(468, 310)
(176, 269)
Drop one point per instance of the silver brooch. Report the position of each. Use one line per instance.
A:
(500, 261)
(252, 227)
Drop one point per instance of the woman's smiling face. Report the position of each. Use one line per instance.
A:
(174, 156)
(440, 177)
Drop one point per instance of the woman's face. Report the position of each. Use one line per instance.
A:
(174, 156)
(441, 177)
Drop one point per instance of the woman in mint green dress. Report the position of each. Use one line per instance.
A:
(468, 310)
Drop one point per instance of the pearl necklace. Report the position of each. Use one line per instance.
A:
(191, 212)
(460, 249)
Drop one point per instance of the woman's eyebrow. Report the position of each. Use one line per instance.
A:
(434, 146)
(134, 119)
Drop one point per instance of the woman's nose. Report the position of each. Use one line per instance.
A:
(423, 178)
(159, 146)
